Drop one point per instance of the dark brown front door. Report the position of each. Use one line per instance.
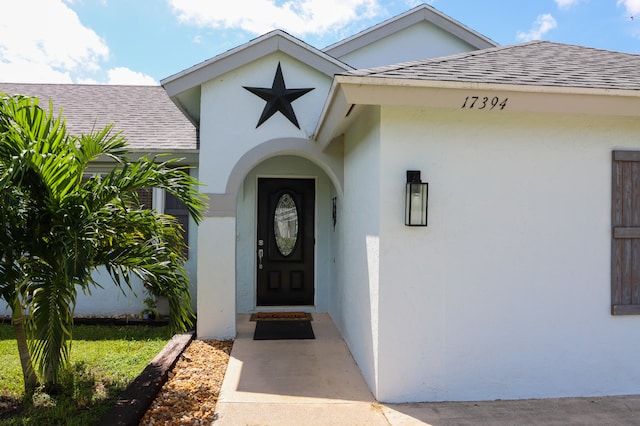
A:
(285, 245)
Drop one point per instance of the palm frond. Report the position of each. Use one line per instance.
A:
(56, 228)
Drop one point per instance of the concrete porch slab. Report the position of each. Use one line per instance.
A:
(295, 382)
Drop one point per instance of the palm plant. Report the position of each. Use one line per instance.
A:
(58, 224)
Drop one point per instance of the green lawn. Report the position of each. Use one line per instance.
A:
(104, 360)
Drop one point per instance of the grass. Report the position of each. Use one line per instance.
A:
(104, 360)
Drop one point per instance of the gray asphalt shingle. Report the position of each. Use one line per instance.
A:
(146, 116)
(538, 63)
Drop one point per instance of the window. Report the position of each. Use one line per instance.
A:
(625, 243)
(145, 197)
(175, 208)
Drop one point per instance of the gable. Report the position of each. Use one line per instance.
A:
(422, 40)
(420, 33)
(184, 88)
(230, 124)
(232, 111)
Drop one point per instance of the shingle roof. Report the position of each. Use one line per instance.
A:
(538, 63)
(145, 114)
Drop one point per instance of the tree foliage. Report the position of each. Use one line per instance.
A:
(58, 223)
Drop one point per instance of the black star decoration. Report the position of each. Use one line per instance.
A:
(278, 98)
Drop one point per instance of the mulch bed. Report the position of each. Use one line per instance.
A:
(190, 394)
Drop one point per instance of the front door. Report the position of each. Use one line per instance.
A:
(286, 240)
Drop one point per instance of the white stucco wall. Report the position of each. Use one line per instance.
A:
(419, 41)
(506, 294)
(288, 167)
(355, 299)
(110, 300)
(216, 284)
(230, 114)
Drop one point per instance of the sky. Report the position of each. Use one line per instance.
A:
(143, 41)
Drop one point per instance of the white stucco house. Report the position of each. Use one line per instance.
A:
(525, 283)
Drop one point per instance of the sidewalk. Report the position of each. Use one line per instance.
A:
(316, 382)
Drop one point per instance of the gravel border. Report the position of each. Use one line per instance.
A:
(191, 394)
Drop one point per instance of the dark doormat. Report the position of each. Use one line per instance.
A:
(283, 330)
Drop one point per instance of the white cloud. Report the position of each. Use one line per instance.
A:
(25, 71)
(542, 25)
(632, 6)
(415, 3)
(44, 41)
(565, 4)
(122, 75)
(302, 17)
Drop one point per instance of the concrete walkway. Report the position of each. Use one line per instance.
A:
(316, 382)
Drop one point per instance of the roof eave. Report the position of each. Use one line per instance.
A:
(334, 111)
(464, 85)
(349, 92)
(184, 156)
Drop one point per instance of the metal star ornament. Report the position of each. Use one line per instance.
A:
(278, 98)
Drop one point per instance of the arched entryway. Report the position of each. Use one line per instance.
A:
(227, 238)
(298, 182)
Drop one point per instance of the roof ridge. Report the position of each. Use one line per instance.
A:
(598, 49)
(82, 84)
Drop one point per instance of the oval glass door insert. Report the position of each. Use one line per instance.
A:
(285, 224)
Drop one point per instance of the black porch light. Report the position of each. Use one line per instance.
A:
(415, 204)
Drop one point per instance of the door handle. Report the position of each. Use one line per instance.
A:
(260, 255)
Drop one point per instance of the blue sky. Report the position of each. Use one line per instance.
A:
(144, 41)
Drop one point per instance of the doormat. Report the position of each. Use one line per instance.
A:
(281, 316)
(283, 330)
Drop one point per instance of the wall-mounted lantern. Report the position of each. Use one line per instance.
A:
(415, 204)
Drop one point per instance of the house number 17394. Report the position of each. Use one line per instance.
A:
(482, 102)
